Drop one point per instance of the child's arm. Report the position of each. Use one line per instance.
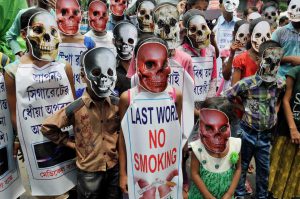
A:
(235, 180)
(69, 73)
(123, 105)
(295, 135)
(236, 76)
(195, 168)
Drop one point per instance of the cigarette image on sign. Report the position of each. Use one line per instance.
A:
(3, 161)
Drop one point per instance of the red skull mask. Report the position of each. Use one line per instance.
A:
(214, 130)
(68, 16)
(98, 16)
(117, 7)
(153, 67)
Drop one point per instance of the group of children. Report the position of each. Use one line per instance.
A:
(122, 88)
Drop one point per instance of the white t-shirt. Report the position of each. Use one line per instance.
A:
(103, 41)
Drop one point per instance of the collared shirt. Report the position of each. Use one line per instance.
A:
(96, 125)
(259, 100)
(289, 39)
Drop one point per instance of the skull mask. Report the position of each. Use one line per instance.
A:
(68, 16)
(231, 5)
(242, 35)
(252, 16)
(125, 36)
(166, 24)
(117, 7)
(270, 63)
(214, 130)
(43, 36)
(98, 16)
(152, 66)
(270, 14)
(198, 32)
(293, 11)
(100, 69)
(260, 34)
(144, 16)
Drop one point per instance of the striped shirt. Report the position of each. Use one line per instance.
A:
(259, 100)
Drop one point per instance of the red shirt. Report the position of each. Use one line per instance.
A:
(246, 64)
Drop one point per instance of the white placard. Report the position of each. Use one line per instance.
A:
(10, 179)
(41, 92)
(71, 53)
(154, 146)
(203, 68)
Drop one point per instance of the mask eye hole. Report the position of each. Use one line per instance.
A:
(241, 35)
(293, 7)
(208, 128)
(193, 29)
(257, 35)
(223, 129)
(110, 72)
(130, 41)
(37, 29)
(273, 14)
(54, 32)
(96, 72)
(76, 12)
(95, 13)
(173, 22)
(160, 23)
(117, 1)
(149, 65)
(142, 12)
(268, 35)
(63, 11)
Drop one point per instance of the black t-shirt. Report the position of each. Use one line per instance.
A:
(123, 83)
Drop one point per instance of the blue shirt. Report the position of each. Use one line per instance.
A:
(289, 39)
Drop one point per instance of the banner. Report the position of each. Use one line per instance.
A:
(10, 178)
(203, 67)
(154, 146)
(71, 53)
(40, 93)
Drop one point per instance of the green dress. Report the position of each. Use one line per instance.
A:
(216, 173)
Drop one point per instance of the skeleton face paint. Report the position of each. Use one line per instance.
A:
(100, 69)
(231, 5)
(270, 14)
(293, 11)
(166, 24)
(252, 16)
(214, 130)
(242, 34)
(125, 35)
(98, 16)
(198, 32)
(117, 7)
(144, 16)
(43, 36)
(68, 16)
(152, 66)
(270, 63)
(260, 34)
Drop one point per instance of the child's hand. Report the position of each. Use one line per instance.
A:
(235, 46)
(70, 144)
(227, 196)
(293, 60)
(123, 183)
(295, 136)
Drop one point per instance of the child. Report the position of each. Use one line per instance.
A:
(96, 123)
(68, 17)
(197, 4)
(37, 86)
(144, 11)
(246, 64)
(216, 162)
(98, 17)
(260, 96)
(117, 8)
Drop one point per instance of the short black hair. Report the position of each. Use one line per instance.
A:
(238, 25)
(25, 17)
(220, 1)
(246, 12)
(147, 39)
(191, 3)
(138, 3)
(268, 44)
(283, 19)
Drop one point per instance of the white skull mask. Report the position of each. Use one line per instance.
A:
(144, 16)
(166, 24)
(270, 63)
(252, 16)
(270, 14)
(293, 11)
(100, 69)
(198, 32)
(125, 35)
(260, 34)
(43, 36)
(231, 5)
(242, 34)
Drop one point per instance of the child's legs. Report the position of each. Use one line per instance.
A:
(247, 152)
(111, 186)
(262, 161)
(89, 184)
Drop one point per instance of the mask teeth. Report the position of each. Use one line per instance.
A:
(48, 48)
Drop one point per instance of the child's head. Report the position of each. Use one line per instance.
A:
(41, 34)
(99, 71)
(241, 33)
(284, 20)
(252, 16)
(260, 31)
(293, 12)
(198, 33)
(270, 11)
(144, 15)
(229, 6)
(270, 53)
(125, 38)
(68, 16)
(151, 54)
(216, 115)
(118, 7)
(249, 10)
(197, 4)
(97, 15)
